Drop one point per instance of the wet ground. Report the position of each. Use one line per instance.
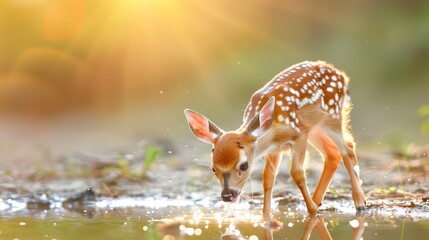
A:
(201, 216)
(87, 196)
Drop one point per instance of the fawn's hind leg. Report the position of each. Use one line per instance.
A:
(332, 157)
(345, 144)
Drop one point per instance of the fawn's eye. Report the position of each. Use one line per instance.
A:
(244, 166)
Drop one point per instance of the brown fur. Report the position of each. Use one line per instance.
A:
(306, 102)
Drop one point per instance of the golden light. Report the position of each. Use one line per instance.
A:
(63, 19)
(124, 51)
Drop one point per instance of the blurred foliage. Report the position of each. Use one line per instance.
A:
(124, 165)
(152, 152)
(336, 192)
(424, 112)
(386, 191)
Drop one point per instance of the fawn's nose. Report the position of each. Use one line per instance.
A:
(228, 195)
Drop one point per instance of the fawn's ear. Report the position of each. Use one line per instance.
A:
(262, 121)
(202, 127)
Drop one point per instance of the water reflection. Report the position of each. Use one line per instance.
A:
(160, 219)
(321, 228)
(138, 223)
(250, 226)
(359, 226)
(318, 223)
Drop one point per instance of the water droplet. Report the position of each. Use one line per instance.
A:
(182, 227)
(190, 231)
(198, 231)
(168, 237)
(354, 223)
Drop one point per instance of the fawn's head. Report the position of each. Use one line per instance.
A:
(233, 152)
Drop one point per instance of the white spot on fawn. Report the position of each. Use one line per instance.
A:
(356, 169)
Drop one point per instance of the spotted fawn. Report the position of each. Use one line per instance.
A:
(307, 102)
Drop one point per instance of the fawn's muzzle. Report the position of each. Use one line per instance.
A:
(229, 195)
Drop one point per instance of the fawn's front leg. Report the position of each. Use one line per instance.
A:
(297, 172)
(272, 161)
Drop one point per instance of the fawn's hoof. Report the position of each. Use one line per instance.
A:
(360, 209)
(313, 211)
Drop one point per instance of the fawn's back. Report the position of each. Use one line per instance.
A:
(305, 94)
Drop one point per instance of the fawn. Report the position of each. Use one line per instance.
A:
(307, 102)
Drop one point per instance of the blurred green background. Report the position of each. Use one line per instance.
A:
(133, 66)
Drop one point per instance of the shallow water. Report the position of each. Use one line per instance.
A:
(167, 218)
(181, 203)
